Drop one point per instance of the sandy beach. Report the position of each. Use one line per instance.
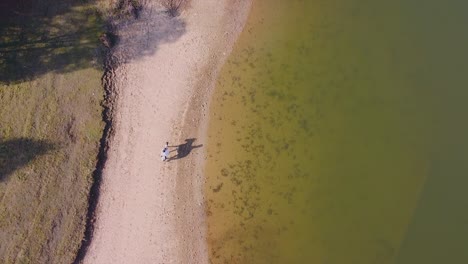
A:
(151, 211)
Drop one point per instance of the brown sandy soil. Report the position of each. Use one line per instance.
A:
(151, 211)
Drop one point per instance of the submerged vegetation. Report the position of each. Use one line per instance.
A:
(335, 135)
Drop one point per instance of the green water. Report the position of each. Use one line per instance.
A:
(338, 135)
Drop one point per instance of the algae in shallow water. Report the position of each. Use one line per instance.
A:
(328, 118)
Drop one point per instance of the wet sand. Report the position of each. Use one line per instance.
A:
(151, 211)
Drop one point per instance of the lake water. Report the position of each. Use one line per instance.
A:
(338, 134)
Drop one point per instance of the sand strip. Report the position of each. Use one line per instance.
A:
(151, 211)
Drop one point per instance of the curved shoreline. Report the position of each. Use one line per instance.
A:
(148, 211)
(197, 126)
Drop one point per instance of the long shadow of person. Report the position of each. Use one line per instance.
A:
(184, 149)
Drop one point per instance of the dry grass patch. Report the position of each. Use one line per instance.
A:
(50, 127)
(50, 119)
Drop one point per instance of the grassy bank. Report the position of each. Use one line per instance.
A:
(50, 126)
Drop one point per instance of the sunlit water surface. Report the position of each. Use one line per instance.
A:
(338, 135)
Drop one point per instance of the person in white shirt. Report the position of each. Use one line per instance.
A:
(165, 152)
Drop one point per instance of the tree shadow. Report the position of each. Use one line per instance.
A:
(141, 37)
(16, 153)
(38, 37)
(184, 149)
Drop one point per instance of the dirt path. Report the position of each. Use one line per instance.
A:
(151, 211)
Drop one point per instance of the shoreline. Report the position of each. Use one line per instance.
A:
(197, 126)
(148, 211)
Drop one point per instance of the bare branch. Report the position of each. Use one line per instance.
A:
(173, 7)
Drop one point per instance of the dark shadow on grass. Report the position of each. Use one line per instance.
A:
(38, 37)
(184, 149)
(16, 153)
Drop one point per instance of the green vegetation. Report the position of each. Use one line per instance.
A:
(50, 126)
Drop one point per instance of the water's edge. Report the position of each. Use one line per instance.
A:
(197, 127)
